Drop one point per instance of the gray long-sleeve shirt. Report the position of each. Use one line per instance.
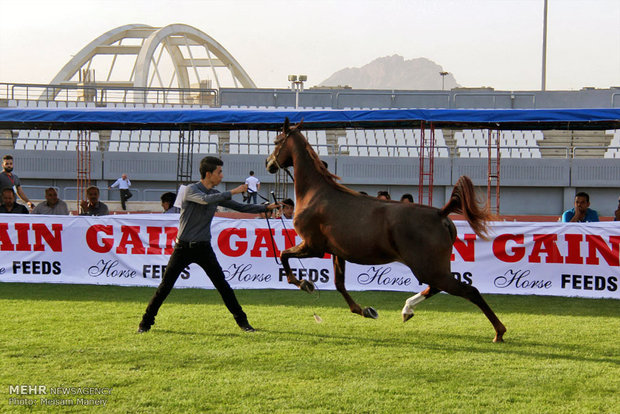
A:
(198, 208)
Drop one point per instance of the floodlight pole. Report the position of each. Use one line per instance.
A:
(297, 85)
(443, 78)
(543, 84)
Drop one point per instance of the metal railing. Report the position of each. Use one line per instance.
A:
(494, 96)
(101, 95)
(249, 148)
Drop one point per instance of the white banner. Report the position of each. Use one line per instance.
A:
(555, 259)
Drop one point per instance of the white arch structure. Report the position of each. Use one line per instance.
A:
(175, 39)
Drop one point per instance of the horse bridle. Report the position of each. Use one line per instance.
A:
(277, 154)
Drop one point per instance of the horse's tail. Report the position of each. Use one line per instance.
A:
(463, 201)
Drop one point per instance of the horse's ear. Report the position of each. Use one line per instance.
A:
(287, 125)
(298, 126)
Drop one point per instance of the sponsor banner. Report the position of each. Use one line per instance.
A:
(558, 259)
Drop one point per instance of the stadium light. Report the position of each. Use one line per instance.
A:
(443, 77)
(297, 85)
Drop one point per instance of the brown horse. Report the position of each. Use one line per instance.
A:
(331, 218)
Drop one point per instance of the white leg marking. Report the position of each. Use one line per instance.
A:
(411, 303)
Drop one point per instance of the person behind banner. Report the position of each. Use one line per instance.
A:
(92, 206)
(581, 213)
(383, 195)
(193, 244)
(406, 198)
(617, 212)
(167, 203)
(288, 208)
(253, 184)
(8, 203)
(52, 204)
(9, 179)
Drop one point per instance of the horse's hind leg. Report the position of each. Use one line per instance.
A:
(339, 267)
(452, 286)
(413, 301)
(300, 251)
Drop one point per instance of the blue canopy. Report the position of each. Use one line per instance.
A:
(222, 119)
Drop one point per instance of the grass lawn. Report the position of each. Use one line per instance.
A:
(561, 354)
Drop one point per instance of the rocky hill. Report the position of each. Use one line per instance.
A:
(393, 72)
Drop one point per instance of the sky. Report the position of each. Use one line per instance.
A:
(493, 43)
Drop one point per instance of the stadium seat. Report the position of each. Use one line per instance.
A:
(175, 137)
(263, 140)
(322, 142)
(233, 147)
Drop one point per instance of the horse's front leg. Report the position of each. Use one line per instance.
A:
(339, 267)
(300, 251)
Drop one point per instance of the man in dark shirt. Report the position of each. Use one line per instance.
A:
(193, 244)
(167, 203)
(9, 179)
(92, 206)
(8, 203)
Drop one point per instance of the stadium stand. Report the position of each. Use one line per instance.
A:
(559, 162)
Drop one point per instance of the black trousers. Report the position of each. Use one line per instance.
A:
(125, 195)
(252, 197)
(181, 257)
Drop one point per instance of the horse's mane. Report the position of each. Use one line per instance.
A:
(320, 166)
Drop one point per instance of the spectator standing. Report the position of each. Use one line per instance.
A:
(167, 203)
(52, 204)
(92, 206)
(193, 244)
(9, 179)
(123, 184)
(582, 212)
(617, 212)
(8, 203)
(253, 184)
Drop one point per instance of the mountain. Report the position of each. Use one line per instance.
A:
(393, 72)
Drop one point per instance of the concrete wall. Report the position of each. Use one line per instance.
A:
(456, 98)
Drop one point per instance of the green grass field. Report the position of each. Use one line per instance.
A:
(561, 354)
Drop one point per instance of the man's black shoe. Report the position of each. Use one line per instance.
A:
(246, 327)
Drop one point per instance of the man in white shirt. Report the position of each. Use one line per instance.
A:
(123, 184)
(253, 184)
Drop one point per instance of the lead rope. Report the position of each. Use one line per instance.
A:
(317, 296)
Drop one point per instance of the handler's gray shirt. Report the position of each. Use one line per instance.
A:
(60, 209)
(199, 206)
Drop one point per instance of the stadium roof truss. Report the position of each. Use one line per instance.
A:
(162, 56)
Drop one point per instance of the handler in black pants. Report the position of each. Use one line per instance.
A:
(194, 241)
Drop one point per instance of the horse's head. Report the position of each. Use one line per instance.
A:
(282, 155)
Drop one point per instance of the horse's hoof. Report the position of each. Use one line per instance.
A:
(498, 339)
(369, 312)
(307, 286)
(407, 316)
